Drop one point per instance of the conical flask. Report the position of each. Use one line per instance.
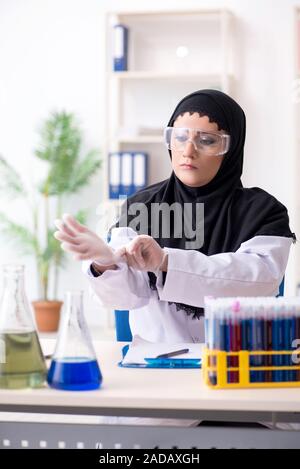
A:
(22, 363)
(74, 366)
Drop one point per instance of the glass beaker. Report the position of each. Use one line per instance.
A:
(74, 366)
(22, 362)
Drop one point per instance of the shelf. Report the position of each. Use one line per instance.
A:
(141, 139)
(147, 14)
(168, 76)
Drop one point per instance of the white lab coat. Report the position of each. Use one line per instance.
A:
(255, 269)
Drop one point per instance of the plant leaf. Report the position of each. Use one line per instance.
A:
(84, 171)
(60, 138)
(81, 216)
(11, 184)
(25, 241)
(60, 146)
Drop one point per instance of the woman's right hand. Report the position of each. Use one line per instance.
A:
(84, 243)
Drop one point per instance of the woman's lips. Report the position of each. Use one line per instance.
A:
(187, 166)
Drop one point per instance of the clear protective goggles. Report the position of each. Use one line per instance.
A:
(207, 143)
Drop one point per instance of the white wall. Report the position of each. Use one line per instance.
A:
(52, 57)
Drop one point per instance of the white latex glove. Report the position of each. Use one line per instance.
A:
(144, 253)
(84, 243)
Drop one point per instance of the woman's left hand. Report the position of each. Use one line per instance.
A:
(144, 253)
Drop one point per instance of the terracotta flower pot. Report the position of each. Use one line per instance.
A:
(47, 314)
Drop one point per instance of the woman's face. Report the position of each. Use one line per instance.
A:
(191, 166)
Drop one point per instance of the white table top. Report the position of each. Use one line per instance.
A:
(154, 389)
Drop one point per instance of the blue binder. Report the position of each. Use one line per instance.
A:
(120, 59)
(140, 170)
(114, 175)
(127, 187)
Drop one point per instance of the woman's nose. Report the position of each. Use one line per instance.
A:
(190, 149)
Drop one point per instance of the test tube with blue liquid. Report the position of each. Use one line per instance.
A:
(74, 366)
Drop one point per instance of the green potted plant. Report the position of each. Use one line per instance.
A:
(66, 173)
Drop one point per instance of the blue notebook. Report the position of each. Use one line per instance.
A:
(161, 362)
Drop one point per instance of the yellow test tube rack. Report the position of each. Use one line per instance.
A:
(216, 369)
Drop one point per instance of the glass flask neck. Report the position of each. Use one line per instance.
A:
(73, 336)
(15, 312)
(74, 308)
(13, 276)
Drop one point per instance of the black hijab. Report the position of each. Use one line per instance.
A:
(232, 214)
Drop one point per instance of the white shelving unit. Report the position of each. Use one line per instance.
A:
(170, 54)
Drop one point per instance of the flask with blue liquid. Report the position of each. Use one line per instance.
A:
(74, 366)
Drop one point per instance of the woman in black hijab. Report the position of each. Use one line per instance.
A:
(230, 241)
(232, 214)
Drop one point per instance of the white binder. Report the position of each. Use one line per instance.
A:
(120, 59)
(114, 175)
(126, 173)
(140, 170)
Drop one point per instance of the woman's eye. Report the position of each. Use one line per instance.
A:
(181, 138)
(207, 141)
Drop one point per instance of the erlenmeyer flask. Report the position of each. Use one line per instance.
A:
(74, 366)
(22, 363)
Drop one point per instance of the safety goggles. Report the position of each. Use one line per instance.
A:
(207, 143)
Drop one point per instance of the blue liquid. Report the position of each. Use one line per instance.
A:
(74, 374)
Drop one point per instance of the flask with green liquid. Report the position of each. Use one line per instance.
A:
(22, 364)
